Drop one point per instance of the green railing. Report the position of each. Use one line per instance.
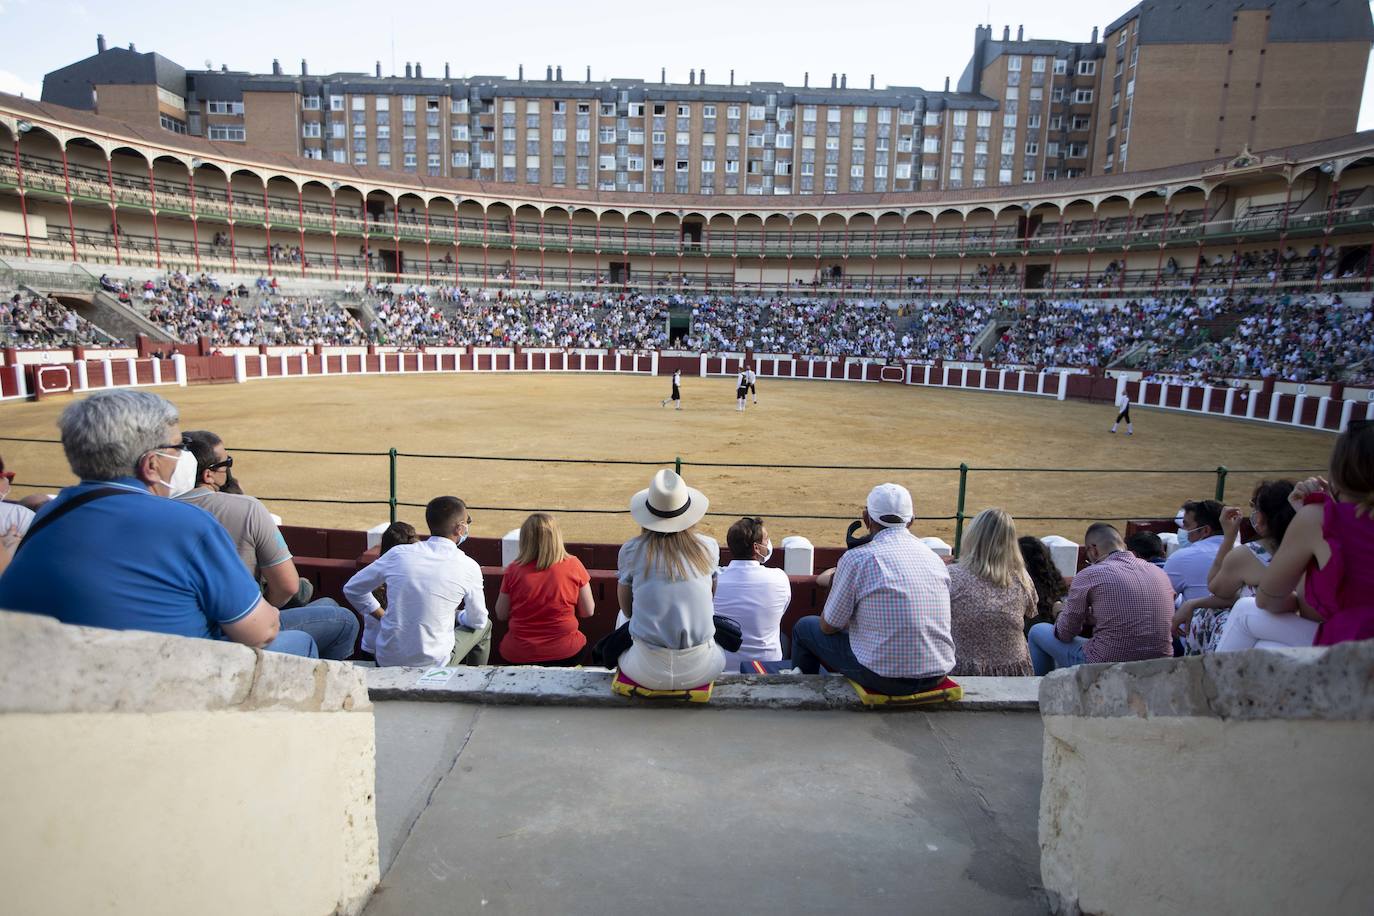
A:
(960, 516)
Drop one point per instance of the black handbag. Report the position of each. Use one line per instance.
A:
(728, 634)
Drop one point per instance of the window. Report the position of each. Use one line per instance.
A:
(310, 102)
(904, 170)
(488, 160)
(1004, 176)
(607, 109)
(359, 158)
(636, 136)
(226, 132)
(1051, 174)
(1061, 66)
(532, 107)
(660, 137)
(1038, 65)
(1008, 145)
(906, 117)
(1080, 122)
(860, 115)
(1078, 150)
(360, 130)
(1014, 64)
(458, 106)
(732, 111)
(311, 129)
(708, 166)
(179, 127)
(832, 143)
(784, 141)
(1013, 93)
(856, 171)
(1028, 175)
(339, 155)
(932, 119)
(382, 103)
(227, 108)
(1032, 148)
(1009, 120)
(636, 109)
(1058, 94)
(832, 170)
(605, 163)
(708, 111)
(732, 166)
(1052, 149)
(832, 116)
(383, 160)
(961, 119)
(858, 144)
(756, 112)
(336, 130)
(607, 135)
(1082, 96)
(879, 170)
(407, 161)
(336, 103)
(681, 164)
(980, 176)
(930, 145)
(1130, 88)
(359, 103)
(508, 106)
(1037, 94)
(1087, 67)
(1033, 122)
(1057, 122)
(809, 113)
(460, 160)
(884, 115)
(383, 132)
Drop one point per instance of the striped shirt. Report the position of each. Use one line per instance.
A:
(892, 596)
(1129, 603)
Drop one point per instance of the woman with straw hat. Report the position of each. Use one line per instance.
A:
(666, 581)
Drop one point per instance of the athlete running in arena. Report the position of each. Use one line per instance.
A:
(741, 389)
(751, 376)
(676, 396)
(1123, 406)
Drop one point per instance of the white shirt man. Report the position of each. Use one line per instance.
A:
(425, 584)
(750, 377)
(753, 595)
(1199, 537)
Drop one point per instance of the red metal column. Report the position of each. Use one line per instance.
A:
(963, 238)
(763, 248)
(541, 249)
(67, 181)
(1125, 245)
(486, 270)
(1326, 232)
(568, 281)
(300, 213)
(1159, 262)
(152, 199)
(791, 235)
(367, 242)
(114, 206)
(456, 246)
(844, 283)
(24, 206)
(396, 237)
(1283, 236)
(334, 228)
(625, 251)
(267, 226)
(1058, 249)
(1092, 245)
(734, 256)
(901, 257)
(195, 228)
(596, 280)
(426, 241)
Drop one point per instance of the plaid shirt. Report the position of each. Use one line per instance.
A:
(892, 595)
(1130, 604)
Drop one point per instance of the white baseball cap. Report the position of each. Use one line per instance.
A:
(889, 505)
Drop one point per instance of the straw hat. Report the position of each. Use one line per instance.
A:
(668, 504)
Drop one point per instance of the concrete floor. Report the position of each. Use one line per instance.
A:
(518, 809)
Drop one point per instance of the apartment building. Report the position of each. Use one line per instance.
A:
(1156, 91)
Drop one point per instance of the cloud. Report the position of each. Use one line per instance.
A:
(15, 84)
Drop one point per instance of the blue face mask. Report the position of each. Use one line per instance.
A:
(462, 538)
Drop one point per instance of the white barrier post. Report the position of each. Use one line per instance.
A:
(1230, 400)
(1253, 403)
(374, 534)
(107, 368)
(23, 382)
(179, 369)
(157, 370)
(133, 371)
(1274, 407)
(240, 368)
(81, 382)
(1347, 410)
(381, 363)
(1063, 552)
(702, 371)
(1170, 541)
(798, 556)
(1298, 403)
(1063, 384)
(653, 363)
(324, 363)
(1163, 394)
(1322, 407)
(305, 364)
(343, 363)
(262, 365)
(940, 547)
(285, 365)
(510, 546)
(1206, 398)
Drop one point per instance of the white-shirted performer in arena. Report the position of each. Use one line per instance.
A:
(741, 389)
(1123, 407)
(676, 396)
(751, 377)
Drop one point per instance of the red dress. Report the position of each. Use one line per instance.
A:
(1343, 592)
(543, 611)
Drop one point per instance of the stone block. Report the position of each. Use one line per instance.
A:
(1064, 553)
(941, 548)
(799, 556)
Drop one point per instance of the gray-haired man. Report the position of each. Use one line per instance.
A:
(111, 552)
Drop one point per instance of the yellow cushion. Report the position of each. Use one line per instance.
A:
(947, 692)
(625, 687)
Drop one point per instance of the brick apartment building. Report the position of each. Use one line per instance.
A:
(1171, 81)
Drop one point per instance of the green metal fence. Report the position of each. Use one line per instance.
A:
(960, 515)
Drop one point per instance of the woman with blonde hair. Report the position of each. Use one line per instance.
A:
(543, 593)
(990, 598)
(667, 577)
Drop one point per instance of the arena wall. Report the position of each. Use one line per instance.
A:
(152, 774)
(1214, 784)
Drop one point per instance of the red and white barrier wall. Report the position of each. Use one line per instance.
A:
(37, 374)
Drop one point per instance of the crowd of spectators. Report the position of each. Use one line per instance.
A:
(36, 322)
(805, 326)
(1086, 333)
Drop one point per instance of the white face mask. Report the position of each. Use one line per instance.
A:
(1184, 535)
(183, 475)
(767, 551)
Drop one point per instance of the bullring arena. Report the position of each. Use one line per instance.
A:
(573, 416)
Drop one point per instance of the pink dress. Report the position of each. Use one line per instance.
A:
(1343, 592)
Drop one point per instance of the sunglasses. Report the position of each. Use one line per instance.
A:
(226, 464)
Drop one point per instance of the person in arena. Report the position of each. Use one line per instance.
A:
(753, 595)
(1199, 539)
(991, 596)
(886, 623)
(1329, 548)
(264, 553)
(1199, 622)
(751, 377)
(543, 593)
(1123, 412)
(666, 578)
(436, 613)
(1128, 601)
(147, 562)
(676, 396)
(741, 389)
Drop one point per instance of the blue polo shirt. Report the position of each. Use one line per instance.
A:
(131, 561)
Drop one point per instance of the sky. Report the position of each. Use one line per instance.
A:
(911, 43)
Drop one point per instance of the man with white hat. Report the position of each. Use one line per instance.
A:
(886, 622)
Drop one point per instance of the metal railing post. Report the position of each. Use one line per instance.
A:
(959, 510)
(677, 466)
(1221, 483)
(391, 498)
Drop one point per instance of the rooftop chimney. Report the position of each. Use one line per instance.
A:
(446, 74)
(1094, 34)
(418, 75)
(1006, 33)
(548, 73)
(703, 76)
(732, 77)
(520, 72)
(223, 68)
(806, 80)
(276, 67)
(872, 81)
(409, 72)
(100, 44)
(589, 73)
(558, 73)
(692, 78)
(1020, 33)
(379, 69)
(947, 84)
(663, 75)
(305, 71)
(131, 46)
(844, 80)
(834, 81)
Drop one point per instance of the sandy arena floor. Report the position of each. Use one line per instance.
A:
(611, 417)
